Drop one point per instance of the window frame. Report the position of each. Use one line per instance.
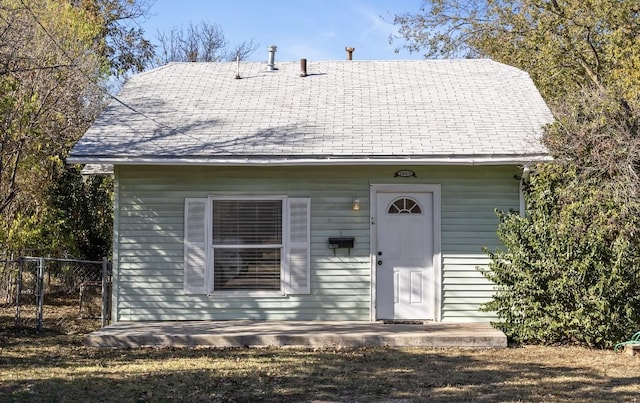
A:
(210, 269)
(404, 210)
(295, 257)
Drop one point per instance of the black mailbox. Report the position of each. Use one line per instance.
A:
(343, 242)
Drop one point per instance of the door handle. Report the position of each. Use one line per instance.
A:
(379, 262)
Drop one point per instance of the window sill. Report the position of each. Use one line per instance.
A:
(246, 294)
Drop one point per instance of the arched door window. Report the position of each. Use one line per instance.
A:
(404, 205)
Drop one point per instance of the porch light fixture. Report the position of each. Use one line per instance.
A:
(355, 204)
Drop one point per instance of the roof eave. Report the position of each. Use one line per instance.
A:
(314, 161)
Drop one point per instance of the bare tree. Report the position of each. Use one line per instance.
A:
(243, 51)
(203, 42)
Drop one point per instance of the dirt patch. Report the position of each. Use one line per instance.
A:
(53, 366)
(57, 367)
(61, 315)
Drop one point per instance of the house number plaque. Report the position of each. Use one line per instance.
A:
(405, 173)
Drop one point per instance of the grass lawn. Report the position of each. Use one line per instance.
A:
(55, 367)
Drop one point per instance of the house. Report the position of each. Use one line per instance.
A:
(338, 190)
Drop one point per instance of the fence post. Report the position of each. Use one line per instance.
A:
(105, 292)
(18, 290)
(40, 290)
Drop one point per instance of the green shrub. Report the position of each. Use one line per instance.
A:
(570, 270)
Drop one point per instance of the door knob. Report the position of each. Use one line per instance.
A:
(379, 262)
(379, 253)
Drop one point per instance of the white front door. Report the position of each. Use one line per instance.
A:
(405, 277)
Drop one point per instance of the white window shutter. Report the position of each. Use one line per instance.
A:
(298, 269)
(195, 245)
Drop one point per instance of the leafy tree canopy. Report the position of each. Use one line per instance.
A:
(565, 45)
(121, 41)
(54, 57)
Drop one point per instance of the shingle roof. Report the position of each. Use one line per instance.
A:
(427, 110)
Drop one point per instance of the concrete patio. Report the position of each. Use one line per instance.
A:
(294, 333)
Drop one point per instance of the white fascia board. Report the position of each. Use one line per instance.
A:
(463, 160)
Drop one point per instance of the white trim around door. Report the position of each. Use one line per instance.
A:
(434, 291)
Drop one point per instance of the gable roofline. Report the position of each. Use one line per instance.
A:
(328, 161)
(362, 112)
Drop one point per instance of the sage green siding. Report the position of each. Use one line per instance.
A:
(148, 242)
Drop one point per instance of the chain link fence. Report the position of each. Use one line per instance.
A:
(56, 294)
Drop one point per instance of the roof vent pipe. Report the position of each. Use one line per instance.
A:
(349, 52)
(271, 64)
(238, 68)
(303, 67)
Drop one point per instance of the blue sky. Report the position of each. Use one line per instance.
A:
(312, 29)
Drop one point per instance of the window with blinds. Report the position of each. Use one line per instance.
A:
(247, 244)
